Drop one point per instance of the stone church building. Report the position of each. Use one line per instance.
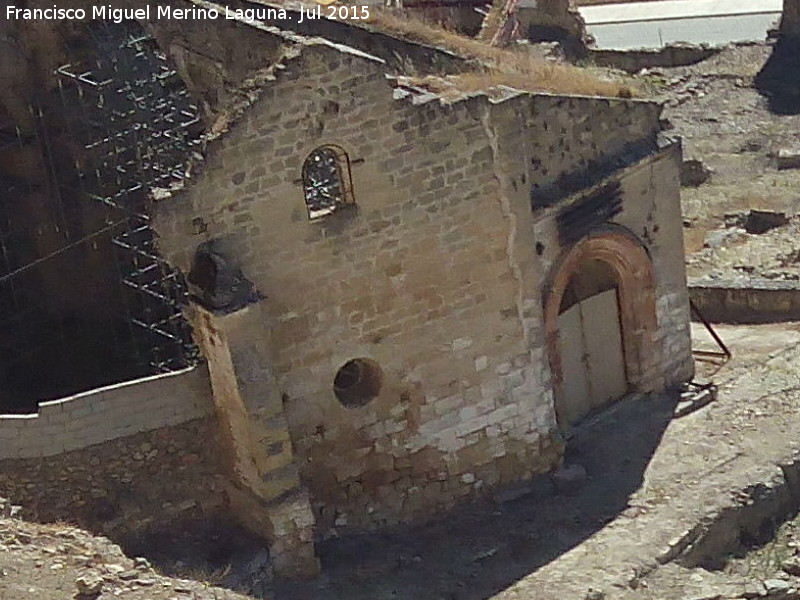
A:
(430, 293)
(406, 300)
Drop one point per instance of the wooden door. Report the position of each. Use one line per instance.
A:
(592, 358)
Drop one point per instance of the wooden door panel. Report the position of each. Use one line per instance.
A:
(605, 359)
(576, 396)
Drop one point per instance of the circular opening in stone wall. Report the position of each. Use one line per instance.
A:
(357, 382)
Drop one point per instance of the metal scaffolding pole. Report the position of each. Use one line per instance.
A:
(137, 127)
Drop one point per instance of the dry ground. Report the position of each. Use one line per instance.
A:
(44, 562)
(723, 121)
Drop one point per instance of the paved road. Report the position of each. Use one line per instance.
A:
(655, 24)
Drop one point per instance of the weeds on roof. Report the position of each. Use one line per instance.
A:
(497, 66)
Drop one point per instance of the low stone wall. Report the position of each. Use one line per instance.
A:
(107, 413)
(120, 460)
(746, 301)
(633, 61)
(125, 486)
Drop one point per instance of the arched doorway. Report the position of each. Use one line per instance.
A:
(600, 318)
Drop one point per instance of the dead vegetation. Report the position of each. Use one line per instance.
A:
(498, 66)
(536, 77)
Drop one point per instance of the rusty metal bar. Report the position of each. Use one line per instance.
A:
(725, 350)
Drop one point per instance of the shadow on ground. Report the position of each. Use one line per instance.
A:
(779, 78)
(481, 549)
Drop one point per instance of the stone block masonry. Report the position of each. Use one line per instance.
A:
(746, 301)
(106, 414)
(124, 486)
(255, 439)
(119, 460)
(432, 275)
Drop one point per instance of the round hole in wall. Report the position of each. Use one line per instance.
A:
(357, 382)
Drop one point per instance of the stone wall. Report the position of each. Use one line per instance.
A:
(126, 486)
(747, 301)
(633, 61)
(132, 456)
(107, 413)
(432, 274)
(651, 212)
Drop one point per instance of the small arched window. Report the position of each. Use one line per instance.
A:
(326, 181)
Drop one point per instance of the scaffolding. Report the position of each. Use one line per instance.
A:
(136, 128)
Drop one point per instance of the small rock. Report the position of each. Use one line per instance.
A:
(24, 538)
(89, 585)
(720, 237)
(776, 585)
(751, 146)
(788, 159)
(593, 594)
(753, 589)
(792, 565)
(694, 173)
(115, 569)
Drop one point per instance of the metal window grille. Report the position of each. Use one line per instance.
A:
(327, 184)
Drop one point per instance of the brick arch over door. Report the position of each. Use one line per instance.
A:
(633, 271)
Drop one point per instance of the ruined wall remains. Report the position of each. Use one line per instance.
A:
(671, 55)
(746, 301)
(126, 486)
(432, 274)
(554, 20)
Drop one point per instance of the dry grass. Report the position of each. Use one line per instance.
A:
(541, 77)
(510, 68)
